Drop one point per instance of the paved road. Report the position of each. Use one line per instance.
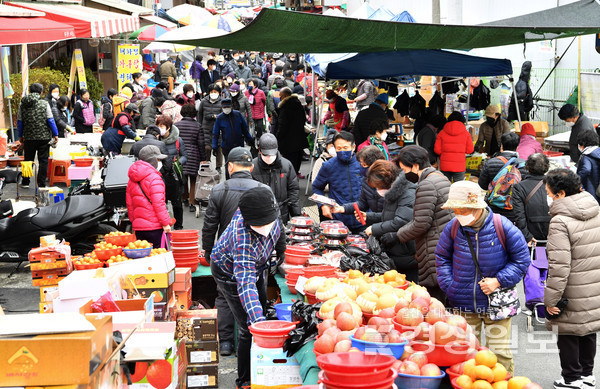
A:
(535, 352)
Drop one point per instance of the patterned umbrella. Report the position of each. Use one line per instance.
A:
(164, 47)
(148, 33)
(224, 22)
(188, 14)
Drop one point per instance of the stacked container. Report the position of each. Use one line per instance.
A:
(186, 249)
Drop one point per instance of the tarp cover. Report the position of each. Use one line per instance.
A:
(410, 62)
(309, 33)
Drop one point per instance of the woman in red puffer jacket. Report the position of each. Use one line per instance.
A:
(146, 197)
(452, 144)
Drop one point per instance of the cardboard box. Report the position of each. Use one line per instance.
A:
(48, 293)
(197, 325)
(151, 272)
(48, 277)
(272, 368)
(69, 305)
(202, 353)
(46, 307)
(541, 128)
(43, 359)
(205, 376)
(183, 300)
(165, 311)
(132, 311)
(92, 283)
(183, 279)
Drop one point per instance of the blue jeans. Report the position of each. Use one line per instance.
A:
(228, 289)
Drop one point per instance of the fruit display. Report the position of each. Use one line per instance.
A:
(119, 238)
(106, 250)
(87, 262)
(139, 244)
(485, 372)
(159, 251)
(117, 259)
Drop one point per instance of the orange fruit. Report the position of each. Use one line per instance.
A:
(464, 381)
(481, 384)
(500, 385)
(518, 382)
(469, 369)
(499, 372)
(486, 358)
(484, 373)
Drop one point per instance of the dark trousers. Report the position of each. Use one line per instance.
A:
(152, 236)
(577, 355)
(173, 194)
(455, 176)
(225, 155)
(259, 128)
(42, 148)
(225, 319)
(295, 158)
(228, 289)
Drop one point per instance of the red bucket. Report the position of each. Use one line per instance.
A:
(271, 333)
(443, 354)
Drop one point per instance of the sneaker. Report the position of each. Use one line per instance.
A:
(561, 384)
(192, 208)
(589, 382)
(226, 348)
(24, 186)
(245, 385)
(301, 176)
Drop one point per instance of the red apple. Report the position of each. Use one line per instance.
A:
(422, 331)
(420, 358)
(435, 315)
(344, 335)
(325, 344)
(360, 332)
(431, 370)
(421, 293)
(324, 325)
(376, 322)
(387, 313)
(371, 335)
(344, 306)
(354, 350)
(408, 351)
(160, 374)
(441, 333)
(409, 367)
(394, 336)
(332, 332)
(346, 322)
(140, 371)
(403, 303)
(412, 318)
(421, 304)
(458, 321)
(343, 346)
(396, 365)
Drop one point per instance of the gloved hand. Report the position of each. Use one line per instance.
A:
(137, 137)
(389, 239)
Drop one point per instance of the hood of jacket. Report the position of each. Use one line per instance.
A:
(293, 99)
(30, 100)
(140, 170)
(454, 128)
(580, 206)
(173, 135)
(592, 151)
(398, 188)
(525, 71)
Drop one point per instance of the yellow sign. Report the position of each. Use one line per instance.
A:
(129, 61)
(77, 66)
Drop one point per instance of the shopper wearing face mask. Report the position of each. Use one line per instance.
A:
(240, 103)
(342, 174)
(146, 197)
(239, 262)
(273, 170)
(120, 128)
(499, 248)
(223, 67)
(429, 218)
(337, 116)
(208, 110)
(150, 107)
(374, 112)
(576, 122)
(453, 144)
(53, 95)
(242, 70)
(377, 137)
(209, 76)
(62, 116)
(588, 166)
(491, 130)
(187, 97)
(230, 129)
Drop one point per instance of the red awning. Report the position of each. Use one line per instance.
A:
(87, 22)
(39, 29)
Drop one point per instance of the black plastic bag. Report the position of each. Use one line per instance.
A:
(270, 313)
(306, 330)
(375, 261)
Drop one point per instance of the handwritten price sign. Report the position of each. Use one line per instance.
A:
(128, 61)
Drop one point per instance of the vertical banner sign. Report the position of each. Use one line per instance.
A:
(24, 69)
(7, 88)
(129, 61)
(77, 67)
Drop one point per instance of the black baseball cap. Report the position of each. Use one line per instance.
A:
(239, 154)
(268, 144)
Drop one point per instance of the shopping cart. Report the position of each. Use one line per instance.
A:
(535, 284)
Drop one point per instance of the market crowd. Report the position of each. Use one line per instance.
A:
(466, 239)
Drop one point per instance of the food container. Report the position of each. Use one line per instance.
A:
(322, 271)
(302, 221)
(87, 266)
(334, 242)
(362, 246)
(327, 223)
(3, 163)
(395, 349)
(295, 259)
(15, 161)
(284, 311)
(351, 382)
(137, 253)
(292, 287)
(335, 230)
(191, 263)
(83, 162)
(184, 235)
(443, 354)
(355, 239)
(119, 240)
(419, 382)
(271, 333)
(105, 255)
(311, 298)
(338, 365)
(301, 238)
(302, 231)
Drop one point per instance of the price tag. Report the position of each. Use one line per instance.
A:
(197, 381)
(300, 284)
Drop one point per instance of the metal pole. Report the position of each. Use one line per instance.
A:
(316, 141)
(579, 74)
(314, 96)
(41, 55)
(512, 82)
(468, 99)
(12, 128)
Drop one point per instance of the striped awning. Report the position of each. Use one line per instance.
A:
(87, 22)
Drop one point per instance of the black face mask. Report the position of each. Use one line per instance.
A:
(491, 121)
(412, 177)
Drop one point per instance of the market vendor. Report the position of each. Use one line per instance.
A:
(121, 127)
(239, 261)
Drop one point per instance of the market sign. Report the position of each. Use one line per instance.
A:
(77, 67)
(129, 61)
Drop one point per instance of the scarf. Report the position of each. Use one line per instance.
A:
(377, 142)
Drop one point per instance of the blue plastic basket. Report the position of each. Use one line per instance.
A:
(137, 253)
(284, 311)
(395, 349)
(406, 381)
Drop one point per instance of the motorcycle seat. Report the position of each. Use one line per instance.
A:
(49, 216)
(81, 205)
(4, 225)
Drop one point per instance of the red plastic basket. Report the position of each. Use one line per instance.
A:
(311, 298)
(351, 382)
(271, 333)
(323, 271)
(120, 240)
(550, 153)
(83, 162)
(105, 255)
(184, 235)
(443, 354)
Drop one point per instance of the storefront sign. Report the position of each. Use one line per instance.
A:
(8, 91)
(77, 67)
(129, 61)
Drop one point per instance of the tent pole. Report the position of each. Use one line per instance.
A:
(12, 128)
(316, 141)
(41, 55)
(314, 96)
(512, 82)
(468, 99)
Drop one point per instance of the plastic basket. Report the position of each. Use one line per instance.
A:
(407, 381)
(443, 354)
(105, 255)
(284, 311)
(395, 349)
(119, 240)
(137, 253)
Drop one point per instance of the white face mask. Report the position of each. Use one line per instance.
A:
(569, 124)
(550, 200)
(331, 151)
(268, 159)
(465, 220)
(242, 87)
(264, 230)
(214, 96)
(581, 149)
(382, 192)
(190, 95)
(234, 94)
(159, 166)
(221, 63)
(55, 95)
(226, 111)
(163, 131)
(236, 58)
(384, 136)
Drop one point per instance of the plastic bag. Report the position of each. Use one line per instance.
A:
(306, 330)
(270, 313)
(375, 261)
(105, 304)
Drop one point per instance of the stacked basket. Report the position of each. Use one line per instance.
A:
(184, 244)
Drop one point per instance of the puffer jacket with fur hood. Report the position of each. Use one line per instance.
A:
(147, 212)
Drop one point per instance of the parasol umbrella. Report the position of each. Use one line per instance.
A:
(224, 22)
(148, 33)
(189, 14)
(164, 47)
(190, 33)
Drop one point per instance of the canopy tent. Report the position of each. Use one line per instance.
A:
(404, 17)
(162, 47)
(309, 33)
(148, 33)
(158, 20)
(583, 13)
(193, 32)
(86, 22)
(363, 12)
(189, 14)
(388, 64)
(334, 12)
(38, 29)
(383, 14)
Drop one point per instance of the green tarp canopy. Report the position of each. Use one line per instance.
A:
(287, 31)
